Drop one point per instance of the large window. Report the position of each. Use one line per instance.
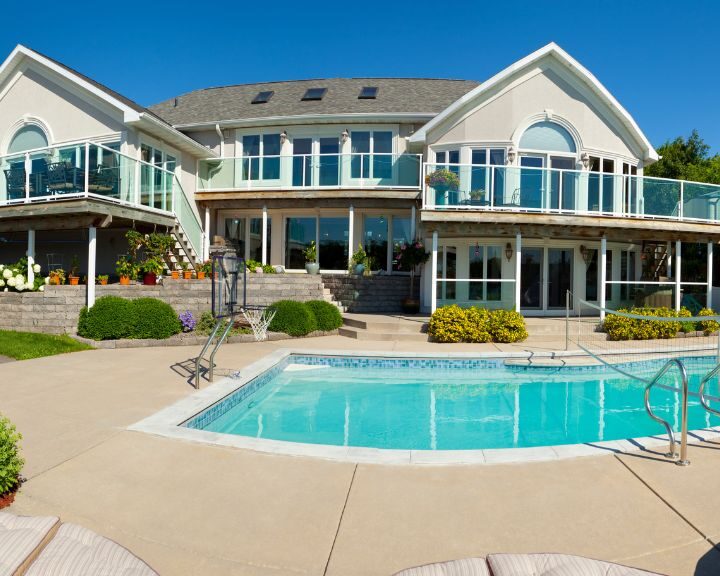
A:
(299, 233)
(375, 240)
(261, 156)
(28, 137)
(244, 235)
(155, 184)
(485, 264)
(400, 235)
(372, 154)
(484, 179)
(333, 245)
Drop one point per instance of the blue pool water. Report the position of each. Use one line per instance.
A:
(430, 404)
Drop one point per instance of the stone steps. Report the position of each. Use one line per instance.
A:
(384, 328)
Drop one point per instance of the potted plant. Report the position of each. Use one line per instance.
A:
(359, 260)
(477, 197)
(11, 462)
(205, 270)
(441, 181)
(125, 269)
(411, 256)
(184, 266)
(74, 270)
(57, 276)
(311, 265)
(175, 274)
(102, 279)
(151, 268)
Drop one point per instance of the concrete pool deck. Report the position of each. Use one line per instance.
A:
(188, 508)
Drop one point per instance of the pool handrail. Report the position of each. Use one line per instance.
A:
(701, 390)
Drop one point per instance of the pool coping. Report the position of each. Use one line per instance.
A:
(167, 422)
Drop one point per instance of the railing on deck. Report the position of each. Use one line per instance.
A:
(90, 170)
(356, 171)
(516, 188)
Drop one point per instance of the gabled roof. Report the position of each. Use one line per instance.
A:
(133, 113)
(401, 97)
(582, 73)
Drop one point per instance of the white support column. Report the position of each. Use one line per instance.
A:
(92, 252)
(518, 266)
(708, 298)
(206, 246)
(433, 272)
(603, 275)
(264, 236)
(413, 215)
(668, 259)
(351, 234)
(678, 272)
(31, 257)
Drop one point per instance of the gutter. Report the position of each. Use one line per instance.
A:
(222, 140)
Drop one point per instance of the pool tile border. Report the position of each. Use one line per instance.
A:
(184, 419)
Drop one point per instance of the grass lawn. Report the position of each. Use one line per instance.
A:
(26, 345)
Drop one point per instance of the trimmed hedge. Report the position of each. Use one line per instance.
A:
(623, 328)
(112, 318)
(327, 316)
(11, 462)
(293, 318)
(455, 324)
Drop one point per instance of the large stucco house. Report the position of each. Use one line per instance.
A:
(524, 186)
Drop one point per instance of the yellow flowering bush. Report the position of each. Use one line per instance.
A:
(708, 326)
(623, 328)
(455, 324)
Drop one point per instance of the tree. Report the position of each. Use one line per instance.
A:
(686, 159)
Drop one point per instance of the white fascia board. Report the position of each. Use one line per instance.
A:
(583, 73)
(311, 118)
(164, 131)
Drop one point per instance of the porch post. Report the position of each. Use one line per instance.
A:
(31, 257)
(518, 263)
(92, 241)
(264, 236)
(413, 215)
(603, 275)
(433, 272)
(708, 298)
(351, 234)
(206, 246)
(678, 269)
(668, 250)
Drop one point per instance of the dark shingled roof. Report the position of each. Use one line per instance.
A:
(395, 95)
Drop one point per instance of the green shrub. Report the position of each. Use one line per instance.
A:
(447, 324)
(10, 461)
(110, 318)
(292, 318)
(507, 326)
(154, 319)
(327, 316)
(708, 326)
(623, 328)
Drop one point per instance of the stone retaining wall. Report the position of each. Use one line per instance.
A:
(370, 294)
(56, 310)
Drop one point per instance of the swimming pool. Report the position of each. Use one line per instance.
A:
(447, 404)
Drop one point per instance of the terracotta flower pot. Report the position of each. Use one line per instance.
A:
(9, 496)
(125, 280)
(103, 282)
(74, 280)
(201, 275)
(55, 280)
(175, 275)
(187, 274)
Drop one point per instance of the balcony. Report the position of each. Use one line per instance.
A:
(91, 171)
(540, 190)
(317, 171)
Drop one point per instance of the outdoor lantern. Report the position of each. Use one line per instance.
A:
(585, 159)
(283, 137)
(511, 154)
(345, 135)
(508, 251)
(586, 254)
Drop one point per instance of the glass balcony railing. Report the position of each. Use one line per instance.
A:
(358, 171)
(515, 188)
(91, 170)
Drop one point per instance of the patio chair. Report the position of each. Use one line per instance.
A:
(61, 178)
(15, 183)
(102, 180)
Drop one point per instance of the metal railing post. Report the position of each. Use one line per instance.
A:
(87, 168)
(567, 320)
(28, 168)
(681, 207)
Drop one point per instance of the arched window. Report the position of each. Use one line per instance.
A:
(28, 137)
(547, 136)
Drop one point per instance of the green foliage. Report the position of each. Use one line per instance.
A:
(455, 324)
(154, 319)
(27, 345)
(252, 265)
(360, 257)
(686, 159)
(327, 316)
(310, 252)
(443, 178)
(11, 462)
(153, 266)
(623, 328)
(207, 267)
(125, 266)
(112, 318)
(206, 323)
(292, 318)
(708, 326)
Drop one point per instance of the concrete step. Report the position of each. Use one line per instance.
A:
(359, 334)
(545, 326)
(387, 325)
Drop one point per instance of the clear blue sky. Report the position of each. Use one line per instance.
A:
(657, 58)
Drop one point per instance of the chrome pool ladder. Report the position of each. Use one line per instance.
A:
(701, 390)
(682, 460)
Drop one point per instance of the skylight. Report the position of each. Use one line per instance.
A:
(368, 93)
(314, 94)
(263, 97)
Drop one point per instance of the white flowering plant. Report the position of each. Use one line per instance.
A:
(14, 277)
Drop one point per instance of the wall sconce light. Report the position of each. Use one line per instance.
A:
(587, 255)
(585, 159)
(345, 135)
(283, 137)
(508, 251)
(511, 153)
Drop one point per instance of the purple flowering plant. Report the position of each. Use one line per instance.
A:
(188, 321)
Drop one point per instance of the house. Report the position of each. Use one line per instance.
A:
(525, 186)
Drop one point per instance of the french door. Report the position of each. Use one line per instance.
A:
(546, 274)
